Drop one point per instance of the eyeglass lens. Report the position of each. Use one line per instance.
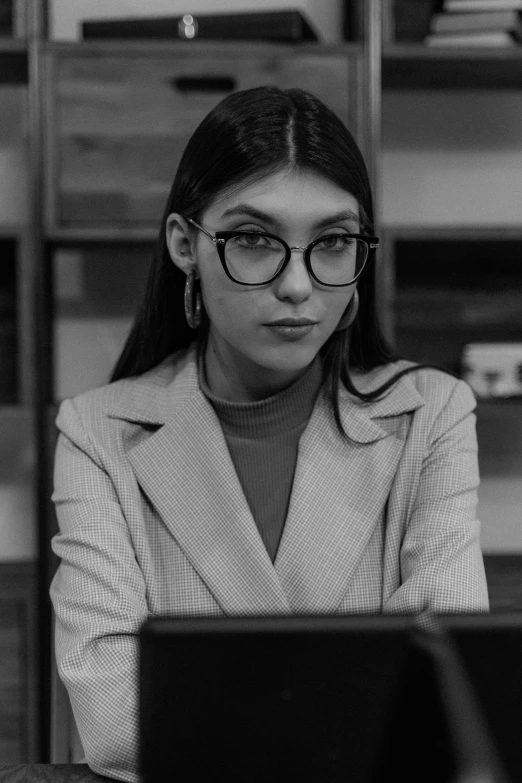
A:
(256, 258)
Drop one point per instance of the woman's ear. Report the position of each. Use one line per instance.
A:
(180, 243)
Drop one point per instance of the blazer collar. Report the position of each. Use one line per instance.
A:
(158, 395)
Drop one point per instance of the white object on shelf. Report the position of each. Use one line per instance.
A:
(493, 369)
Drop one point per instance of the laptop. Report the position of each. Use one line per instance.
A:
(489, 647)
(295, 699)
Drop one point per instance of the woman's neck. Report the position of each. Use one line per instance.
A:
(243, 381)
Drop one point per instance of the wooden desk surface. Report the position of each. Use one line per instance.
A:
(48, 773)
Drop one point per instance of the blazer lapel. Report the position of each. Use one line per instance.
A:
(186, 471)
(339, 493)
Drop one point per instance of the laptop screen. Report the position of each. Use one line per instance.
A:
(320, 699)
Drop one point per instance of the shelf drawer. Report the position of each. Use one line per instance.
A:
(120, 121)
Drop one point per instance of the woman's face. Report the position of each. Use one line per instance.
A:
(245, 345)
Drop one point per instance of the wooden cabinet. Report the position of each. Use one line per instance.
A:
(120, 116)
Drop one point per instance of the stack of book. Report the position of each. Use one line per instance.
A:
(477, 23)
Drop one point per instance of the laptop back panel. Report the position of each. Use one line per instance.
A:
(269, 699)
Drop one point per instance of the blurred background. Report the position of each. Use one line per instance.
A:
(87, 123)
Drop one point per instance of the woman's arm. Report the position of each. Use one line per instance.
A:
(98, 595)
(441, 562)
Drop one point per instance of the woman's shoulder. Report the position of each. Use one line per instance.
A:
(435, 387)
(125, 393)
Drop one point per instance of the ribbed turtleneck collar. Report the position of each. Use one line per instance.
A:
(272, 416)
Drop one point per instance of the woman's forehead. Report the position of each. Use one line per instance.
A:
(287, 193)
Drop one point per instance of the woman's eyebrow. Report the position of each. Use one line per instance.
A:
(346, 214)
(246, 209)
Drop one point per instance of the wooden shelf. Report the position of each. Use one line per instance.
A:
(150, 45)
(405, 66)
(418, 67)
(13, 61)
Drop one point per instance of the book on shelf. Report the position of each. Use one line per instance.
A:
(468, 6)
(479, 28)
(500, 38)
(490, 21)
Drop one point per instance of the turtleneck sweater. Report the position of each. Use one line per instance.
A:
(263, 440)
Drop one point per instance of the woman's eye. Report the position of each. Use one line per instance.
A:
(252, 239)
(255, 239)
(330, 241)
(335, 242)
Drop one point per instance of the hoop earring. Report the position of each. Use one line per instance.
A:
(192, 301)
(349, 315)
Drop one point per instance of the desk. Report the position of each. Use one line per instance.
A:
(48, 773)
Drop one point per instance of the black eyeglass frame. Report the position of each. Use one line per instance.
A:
(220, 238)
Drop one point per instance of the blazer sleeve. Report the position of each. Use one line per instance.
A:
(99, 601)
(441, 562)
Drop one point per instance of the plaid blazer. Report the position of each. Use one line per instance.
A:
(153, 519)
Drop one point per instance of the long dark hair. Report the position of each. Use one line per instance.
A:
(246, 137)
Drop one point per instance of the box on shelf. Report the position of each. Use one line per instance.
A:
(493, 369)
(288, 25)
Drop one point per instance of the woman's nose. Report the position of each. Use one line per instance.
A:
(294, 283)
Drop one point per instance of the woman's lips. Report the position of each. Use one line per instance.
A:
(292, 328)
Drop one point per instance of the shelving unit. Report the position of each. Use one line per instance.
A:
(404, 67)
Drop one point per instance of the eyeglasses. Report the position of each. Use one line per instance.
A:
(257, 257)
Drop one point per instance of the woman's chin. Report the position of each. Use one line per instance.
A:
(287, 360)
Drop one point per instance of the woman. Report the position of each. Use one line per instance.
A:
(259, 449)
